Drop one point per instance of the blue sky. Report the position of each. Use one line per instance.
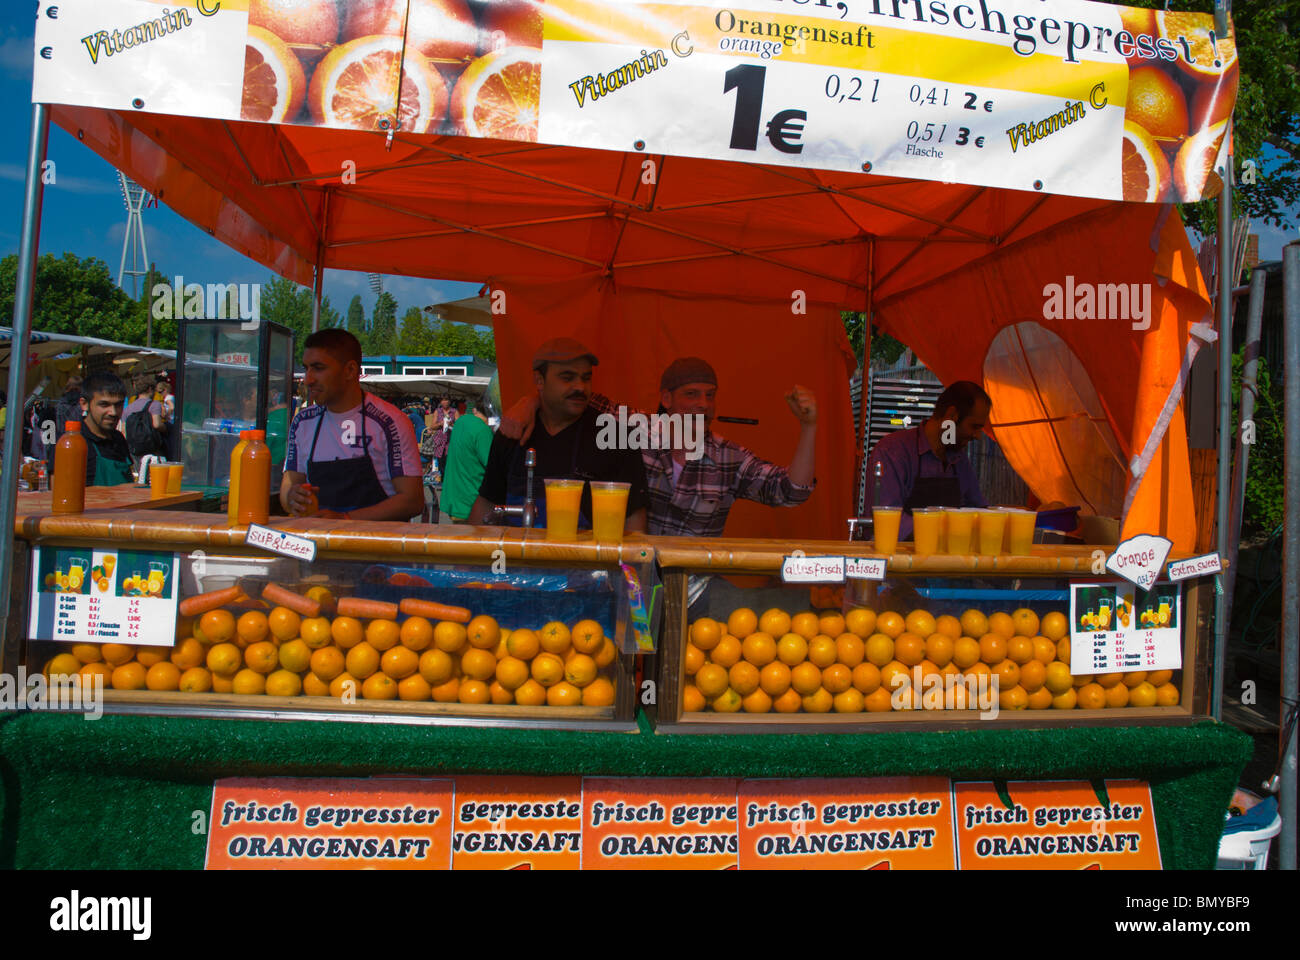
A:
(84, 212)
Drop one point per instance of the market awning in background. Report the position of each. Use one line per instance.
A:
(47, 351)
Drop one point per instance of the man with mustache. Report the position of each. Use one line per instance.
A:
(564, 435)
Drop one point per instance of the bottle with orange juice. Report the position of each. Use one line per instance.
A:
(70, 470)
(232, 504)
(254, 490)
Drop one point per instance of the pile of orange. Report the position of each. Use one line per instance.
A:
(418, 66)
(856, 661)
(279, 653)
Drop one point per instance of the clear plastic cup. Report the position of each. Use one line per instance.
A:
(992, 525)
(563, 504)
(174, 474)
(158, 475)
(884, 523)
(1020, 531)
(960, 524)
(608, 510)
(927, 530)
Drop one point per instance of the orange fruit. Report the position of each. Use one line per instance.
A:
(792, 649)
(849, 649)
(1109, 680)
(727, 652)
(1066, 700)
(728, 701)
(759, 648)
(860, 621)
(788, 702)
(530, 693)
(909, 649)
(87, 652)
(327, 663)
(581, 670)
(547, 669)
(588, 637)
(474, 691)
(1117, 696)
(1082, 680)
(837, 678)
(865, 677)
(379, 686)
(62, 665)
(694, 658)
(1058, 679)
(164, 675)
(939, 648)
(324, 596)
(382, 634)
(345, 687)
(1025, 622)
(248, 683)
(1091, 696)
(712, 679)
(1040, 699)
(414, 687)
(218, 626)
(894, 675)
(1144, 170)
(919, 623)
(89, 671)
(1166, 695)
(483, 632)
(283, 623)
(356, 85)
(187, 653)
(1008, 674)
(362, 660)
(252, 627)
(743, 677)
(1194, 174)
(499, 95)
(774, 678)
(522, 644)
(450, 636)
(116, 654)
(400, 662)
(692, 700)
(449, 691)
(1054, 625)
(314, 686)
(599, 693)
(511, 673)
(822, 651)
(974, 624)
(849, 701)
(1002, 623)
(878, 701)
(805, 678)
(1156, 103)
(1157, 678)
(1013, 698)
(993, 648)
(347, 632)
(416, 633)
(1044, 649)
(806, 624)
(195, 680)
(742, 623)
(478, 664)
(982, 674)
(283, 683)
(1133, 678)
(1212, 58)
(315, 632)
(1063, 649)
(294, 656)
(607, 654)
(224, 659)
(890, 624)
(948, 625)
(435, 666)
(1033, 676)
(705, 633)
(555, 638)
(262, 656)
(774, 622)
(757, 701)
(1020, 649)
(831, 623)
(965, 652)
(819, 701)
(1142, 695)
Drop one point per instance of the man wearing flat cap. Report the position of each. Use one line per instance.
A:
(563, 432)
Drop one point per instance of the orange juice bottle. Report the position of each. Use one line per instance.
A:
(70, 470)
(255, 479)
(232, 505)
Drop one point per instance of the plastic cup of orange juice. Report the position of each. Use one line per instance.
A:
(563, 503)
(961, 529)
(1020, 531)
(158, 476)
(884, 523)
(992, 524)
(927, 530)
(608, 510)
(174, 472)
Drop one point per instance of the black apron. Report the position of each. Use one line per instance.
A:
(932, 491)
(345, 485)
(517, 485)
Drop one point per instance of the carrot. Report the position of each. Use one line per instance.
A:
(276, 594)
(434, 611)
(367, 609)
(203, 602)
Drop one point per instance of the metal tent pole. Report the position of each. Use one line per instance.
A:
(22, 328)
(319, 285)
(1291, 548)
(1221, 610)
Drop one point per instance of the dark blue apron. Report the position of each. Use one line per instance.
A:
(345, 485)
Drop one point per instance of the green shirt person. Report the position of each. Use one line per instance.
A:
(467, 454)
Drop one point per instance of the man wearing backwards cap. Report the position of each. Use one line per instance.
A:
(563, 432)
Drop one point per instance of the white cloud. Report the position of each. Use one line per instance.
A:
(1272, 240)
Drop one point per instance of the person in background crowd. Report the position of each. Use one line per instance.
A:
(146, 434)
(415, 411)
(108, 459)
(467, 455)
(444, 418)
(67, 407)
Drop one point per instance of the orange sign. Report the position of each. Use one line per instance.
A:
(517, 823)
(1057, 825)
(659, 824)
(883, 824)
(330, 824)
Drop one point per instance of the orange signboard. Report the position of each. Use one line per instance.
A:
(517, 823)
(882, 823)
(659, 824)
(330, 824)
(1056, 825)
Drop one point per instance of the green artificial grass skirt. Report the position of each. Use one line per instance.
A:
(120, 792)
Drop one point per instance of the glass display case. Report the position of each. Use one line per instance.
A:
(236, 376)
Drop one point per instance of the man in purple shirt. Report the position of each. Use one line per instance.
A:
(926, 466)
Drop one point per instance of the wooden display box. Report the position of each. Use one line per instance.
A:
(680, 559)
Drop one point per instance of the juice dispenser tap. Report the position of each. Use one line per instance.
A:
(527, 513)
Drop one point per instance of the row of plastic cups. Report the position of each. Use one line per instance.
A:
(961, 531)
(608, 509)
(164, 478)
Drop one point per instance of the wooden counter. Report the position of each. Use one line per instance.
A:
(123, 496)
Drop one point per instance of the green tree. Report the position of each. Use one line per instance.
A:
(1264, 506)
(75, 296)
(414, 338)
(884, 348)
(383, 331)
(286, 303)
(356, 316)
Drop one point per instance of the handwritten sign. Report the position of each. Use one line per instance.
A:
(517, 823)
(659, 824)
(1139, 559)
(798, 569)
(277, 541)
(865, 568)
(1114, 627)
(1195, 567)
(1056, 825)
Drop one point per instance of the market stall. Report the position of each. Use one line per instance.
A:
(648, 242)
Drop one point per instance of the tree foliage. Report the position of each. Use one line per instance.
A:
(356, 316)
(77, 297)
(1266, 475)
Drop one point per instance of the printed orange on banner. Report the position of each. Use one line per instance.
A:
(517, 823)
(886, 823)
(1056, 825)
(659, 824)
(330, 824)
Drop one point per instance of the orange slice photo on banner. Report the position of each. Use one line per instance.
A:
(1194, 174)
(274, 83)
(356, 86)
(1156, 103)
(296, 21)
(512, 23)
(499, 95)
(1145, 172)
(436, 29)
(1214, 55)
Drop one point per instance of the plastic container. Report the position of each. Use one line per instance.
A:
(927, 530)
(69, 485)
(232, 499)
(608, 510)
(1065, 519)
(885, 522)
(254, 488)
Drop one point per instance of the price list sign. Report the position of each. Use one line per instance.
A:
(1117, 628)
(81, 595)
